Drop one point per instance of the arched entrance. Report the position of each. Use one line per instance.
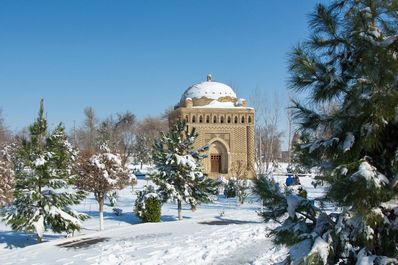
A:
(218, 155)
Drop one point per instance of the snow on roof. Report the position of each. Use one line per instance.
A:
(209, 89)
(221, 105)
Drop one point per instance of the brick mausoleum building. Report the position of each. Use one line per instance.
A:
(223, 122)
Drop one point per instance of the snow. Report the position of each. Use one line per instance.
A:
(56, 211)
(39, 161)
(114, 158)
(208, 89)
(293, 201)
(321, 248)
(186, 161)
(218, 104)
(245, 240)
(348, 142)
(151, 195)
(100, 162)
(370, 174)
(222, 105)
(344, 171)
(240, 101)
(39, 226)
(363, 259)
(299, 251)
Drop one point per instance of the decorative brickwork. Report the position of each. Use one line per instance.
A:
(229, 132)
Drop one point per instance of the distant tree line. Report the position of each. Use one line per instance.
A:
(131, 138)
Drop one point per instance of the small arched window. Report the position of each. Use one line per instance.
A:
(215, 119)
(200, 119)
(236, 119)
(221, 119)
(229, 119)
(250, 119)
(186, 118)
(193, 119)
(207, 119)
(243, 120)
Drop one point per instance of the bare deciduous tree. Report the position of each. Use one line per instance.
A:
(7, 150)
(148, 131)
(6, 173)
(124, 134)
(5, 134)
(240, 173)
(85, 136)
(267, 134)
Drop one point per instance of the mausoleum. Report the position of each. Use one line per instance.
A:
(223, 121)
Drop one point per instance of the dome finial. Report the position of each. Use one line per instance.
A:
(209, 78)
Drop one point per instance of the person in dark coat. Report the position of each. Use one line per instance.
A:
(296, 180)
(289, 180)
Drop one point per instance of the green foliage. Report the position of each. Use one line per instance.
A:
(302, 192)
(348, 69)
(237, 188)
(142, 149)
(313, 259)
(179, 173)
(272, 196)
(43, 175)
(230, 189)
(112, 198)
(148, 205)
(152, 210)
(290, 233)
(302, 160)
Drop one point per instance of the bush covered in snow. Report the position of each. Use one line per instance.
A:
(230, 189)
(238, 185)
(148, 205)
(112, 198)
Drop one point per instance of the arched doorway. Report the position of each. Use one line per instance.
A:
(218, 155)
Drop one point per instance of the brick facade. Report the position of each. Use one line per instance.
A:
(229, 132)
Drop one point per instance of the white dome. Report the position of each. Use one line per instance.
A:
(210, 90)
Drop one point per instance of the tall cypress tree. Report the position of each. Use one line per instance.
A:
(178, 168)
(43, 179)
(348, 71)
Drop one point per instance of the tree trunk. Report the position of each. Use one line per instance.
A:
(141, 165)
(101, 213)
(179, 209)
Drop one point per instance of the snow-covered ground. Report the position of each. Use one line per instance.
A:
(218, 233)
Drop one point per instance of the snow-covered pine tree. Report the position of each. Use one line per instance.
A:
(43, 183)
(350, 62)
(102, 173)
(7, 173)
(147, 205)
(178, 168)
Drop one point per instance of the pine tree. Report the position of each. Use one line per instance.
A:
(43, 177)
(178, 168)
(102, 173)
(348, 69)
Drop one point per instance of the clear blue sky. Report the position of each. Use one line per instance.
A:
(138, 55)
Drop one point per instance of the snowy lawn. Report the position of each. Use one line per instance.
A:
(219, 233)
